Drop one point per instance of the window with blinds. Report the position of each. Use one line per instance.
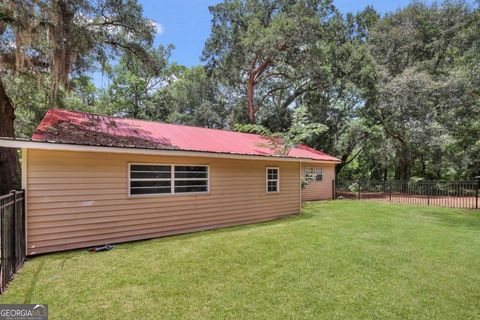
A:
(191, 179)
(153, 179)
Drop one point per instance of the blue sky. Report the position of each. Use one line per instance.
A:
(186, 23)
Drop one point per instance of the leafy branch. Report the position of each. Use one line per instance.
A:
(282, 143)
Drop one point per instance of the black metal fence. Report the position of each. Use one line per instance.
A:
(453, 194)
(12, 235)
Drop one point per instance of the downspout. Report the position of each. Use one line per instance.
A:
(24, 169)
(300, 185)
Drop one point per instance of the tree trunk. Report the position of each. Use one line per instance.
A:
(339, 167)
(250, 98)
(253, 75)
(423, 167)
(403, 169)
(404, 162)
(8, 156)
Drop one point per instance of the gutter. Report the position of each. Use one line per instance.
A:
(58, 146)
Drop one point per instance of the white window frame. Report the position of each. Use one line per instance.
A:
(277, 180)
(171, 179)
(187, 179)
(314, 173)
(305, 174)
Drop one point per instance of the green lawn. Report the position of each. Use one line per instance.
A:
(337, 260)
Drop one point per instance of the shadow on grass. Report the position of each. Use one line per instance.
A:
(456, 217)
(469, 218)
(228, 229)
(72, 254)
(33, 283)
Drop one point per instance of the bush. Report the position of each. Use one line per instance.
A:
(355, 188)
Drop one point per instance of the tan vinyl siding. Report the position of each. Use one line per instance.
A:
(79, 199)
(319, 190)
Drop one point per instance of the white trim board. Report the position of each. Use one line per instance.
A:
(38, 145)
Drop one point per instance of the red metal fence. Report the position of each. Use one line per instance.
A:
(453, 194)
(12, 235)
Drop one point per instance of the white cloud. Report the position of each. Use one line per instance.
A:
(159, 29)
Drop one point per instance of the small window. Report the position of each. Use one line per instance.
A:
(151, 179)
(273, 180)
(318, 174)
(309, 173)
(314, 173)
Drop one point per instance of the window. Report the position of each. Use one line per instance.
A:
(152, 179)
(191, 179)
(309, 173)
(273, 180)
(314, 173)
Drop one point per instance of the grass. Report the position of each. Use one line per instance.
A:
(337, 260)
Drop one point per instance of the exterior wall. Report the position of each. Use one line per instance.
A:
(319, 190)
(80, 199)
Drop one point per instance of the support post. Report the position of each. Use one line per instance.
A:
(23, 249)
(334, 192)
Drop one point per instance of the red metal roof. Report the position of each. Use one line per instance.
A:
(74, 127)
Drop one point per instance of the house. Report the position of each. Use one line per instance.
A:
(93, 179)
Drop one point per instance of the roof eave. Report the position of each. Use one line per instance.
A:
(58, 146)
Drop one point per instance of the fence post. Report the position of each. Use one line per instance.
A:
(24, 225)
(359, 190)
(477, 191)
(390, 190)
(428, 192)
(14, 225)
